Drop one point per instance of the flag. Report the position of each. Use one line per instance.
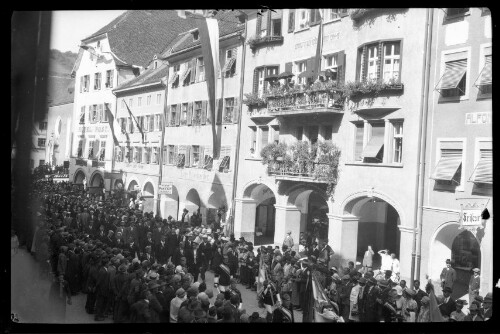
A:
(208, 29)
(262, 273)
(111, 120)
(136, 122)
(320, 296)
(434, 312)
(317, 59)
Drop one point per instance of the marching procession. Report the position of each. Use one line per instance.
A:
(135, 267)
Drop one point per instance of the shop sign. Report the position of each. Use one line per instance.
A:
(165, 188)
(471, 214)
(477, 118)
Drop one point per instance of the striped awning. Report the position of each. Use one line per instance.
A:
(485, 76)
(174, 77)
(447, 167)
(186, 73)
(483, 173)
(454, 72)
(228, 65)
(373, 147)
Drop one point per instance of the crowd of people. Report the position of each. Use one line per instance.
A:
(136, 267)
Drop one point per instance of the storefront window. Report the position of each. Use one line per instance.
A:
(465, 251)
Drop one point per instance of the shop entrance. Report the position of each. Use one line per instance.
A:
(465, 256)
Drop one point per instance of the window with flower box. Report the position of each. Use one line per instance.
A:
(380, 61)
(260, 85)
(195, 155)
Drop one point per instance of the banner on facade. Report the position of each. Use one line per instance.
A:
(165, 188)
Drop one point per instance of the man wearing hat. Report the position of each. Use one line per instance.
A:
(448, 304)
(458, 315)
(175, 304)
(474, 285)
(344, 292)
(288, 240)
(205, 254)
(488, 306)
(283, 312)
(473, 314)
(354, 300)
(370, 307)
(448, 275)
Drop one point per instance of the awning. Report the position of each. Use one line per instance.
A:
(174, 77)
(483, 173)
(485, 76)
(228, 65)
(447, 167)
(373, 147)
(186, 73)
(454, 72)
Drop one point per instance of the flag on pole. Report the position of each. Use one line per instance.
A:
(262, 273)
(319, 46)
(319, 298)
(434, 312)
(136, 122)
(111, 120)
(208, 29)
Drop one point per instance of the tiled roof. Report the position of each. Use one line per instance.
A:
(150, 75)
(60, 90)
(136, 36)
(228, 24)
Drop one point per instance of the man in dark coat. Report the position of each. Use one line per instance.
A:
(172, 244)
(206, 254)
(73, 270)
(419, 294)
(344, 291)
(139, 311)
(133, 248)
(194, 261)
(283, 312)
(370, 304)
(448, 304)
(118, 285)
(161, 250)
(102, 290)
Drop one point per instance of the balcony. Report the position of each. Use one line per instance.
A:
(255, 42)
(305, 103)
(299, 172)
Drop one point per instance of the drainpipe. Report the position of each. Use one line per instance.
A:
(422, 142)
(238, 137)
(160, 158)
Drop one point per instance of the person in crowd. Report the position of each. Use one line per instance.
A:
(448, 305)
(474, 285)
(448, 275)
(474, 314)
(288, 240)
(368, 258)
(386, 260)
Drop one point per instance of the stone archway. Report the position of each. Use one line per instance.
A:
(148, 195)
(170, 204)
(79, 177)
(192, 202)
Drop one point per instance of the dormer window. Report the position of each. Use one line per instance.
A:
(196, 35)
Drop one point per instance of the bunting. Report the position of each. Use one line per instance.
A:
(136, 122)
(111, 120)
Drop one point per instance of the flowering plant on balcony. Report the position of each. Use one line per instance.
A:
(357, 89)
(197, 119)
(357, 13)
(328, 157)
(253, 100)
(273, 152)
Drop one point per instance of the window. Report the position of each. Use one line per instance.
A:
(128, 154)
(158, 98)
(197, 113)
(139, 101)
(391, 62)
(264, 137)
(201, 69)
(299, 133)
(154, 158)
(261, 76)
(314, 16)
(171, 155)
(397, 142)
(195, 155)
(483, 170)
(84, 83)
(302, 19)
(300, 71)
(484, 81)
(186, 75)
(151, 123)
(374, 151)
(138, 154)
(331, 63)
(173, 113)
(79, 151)
(42, 125)
(102, 153)
(260, 85)
(156, 124)
(291, 20)
(225, 153)
(276, 24)
(208, 159)
(93, 118)
(453, 82)
(454, 12)
(148, 100)
(82, 115)
(174, 79)
(109, 78)
(130, 123)
(145, 123)
(90, 152)
(335, 13)
(380, 61)
(97, 81)
(229, 110)
(184, 113)
(42, 162)
(107, 106)
(253, 141)
(41, 142)
(229, 68)
(448, 170)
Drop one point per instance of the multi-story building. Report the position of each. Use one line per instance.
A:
(458, 162)
(200, 180)
(377, 54)
(116, 53)
(138, 156)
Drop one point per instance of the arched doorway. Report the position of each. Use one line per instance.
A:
(96, 184)
(170, 204)
(464, 251)
(265, 213)
(216, 201)
(148, 195)
(131, 190)
(192, 202)
(78, 178)
(377, 226)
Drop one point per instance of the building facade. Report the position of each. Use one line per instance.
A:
(200, 180)
(376, 132)
(458, 175)
(137, 158)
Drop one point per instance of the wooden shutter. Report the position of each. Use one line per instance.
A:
(258, 25)
(193, 70)
(100, 116)
(152, 123)
(178, 114)
(380, 56)
(167, 116)
(364, 63)
(203, 112)
(288, 67)
(358, 64)
(188, 156)
(340, 66)
(189, 113)
(236, 110)
(256, 80)
(201, 157)
(81, 84)
(291, 20)
(219, 109)
(358, 148)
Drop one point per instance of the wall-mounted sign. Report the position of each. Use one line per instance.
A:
(94, 128)
(165, 188)
(471, 213)
(477, 118)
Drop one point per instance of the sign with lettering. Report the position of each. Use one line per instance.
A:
(477, 118)
(165, 188)
(312, 42)
(471, 217)
(470, 214)
(94, 128)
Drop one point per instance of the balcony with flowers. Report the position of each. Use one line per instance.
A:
(304, 162)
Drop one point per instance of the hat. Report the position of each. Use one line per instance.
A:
(254, 316)
(196, 284)
(220, 296)
(122, 268)
(447, 289)
(410, 291)
(425, 300)
(203, 298)
(210, 293)
(178, 269)
(362, 280)
(479, 298)
(488, 298)
(180, 293)
(346, 277)
(461, 302)
(476, 270)
(176, 278)
(372, 280)
(473, 307)
(384, 283)
(399, 290)
(286, 296)
(153, 275)
(448, 261)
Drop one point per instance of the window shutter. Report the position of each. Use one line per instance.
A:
(255, 80)
(359, 142)
(268, 25)
(236, 111)
(288, 67)
(167, 116)
(340, 66)
(258, 25)
(219, 108)
(364, 63)
(203, 112)
(152, 123)
(193, 70)
(291, 20)
(190, 113)
(201, 157)
(188, 156)
(380, 60)
(81, 84)
(178, 115)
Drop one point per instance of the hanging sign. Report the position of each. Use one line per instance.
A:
(471, 214)
(165, 188)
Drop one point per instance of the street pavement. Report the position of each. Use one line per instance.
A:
(30, 295)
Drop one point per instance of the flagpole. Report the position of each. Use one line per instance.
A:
(160, 160)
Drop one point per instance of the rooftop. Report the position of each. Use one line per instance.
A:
(149, 76)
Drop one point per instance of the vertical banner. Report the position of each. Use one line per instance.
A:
(319, 46)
